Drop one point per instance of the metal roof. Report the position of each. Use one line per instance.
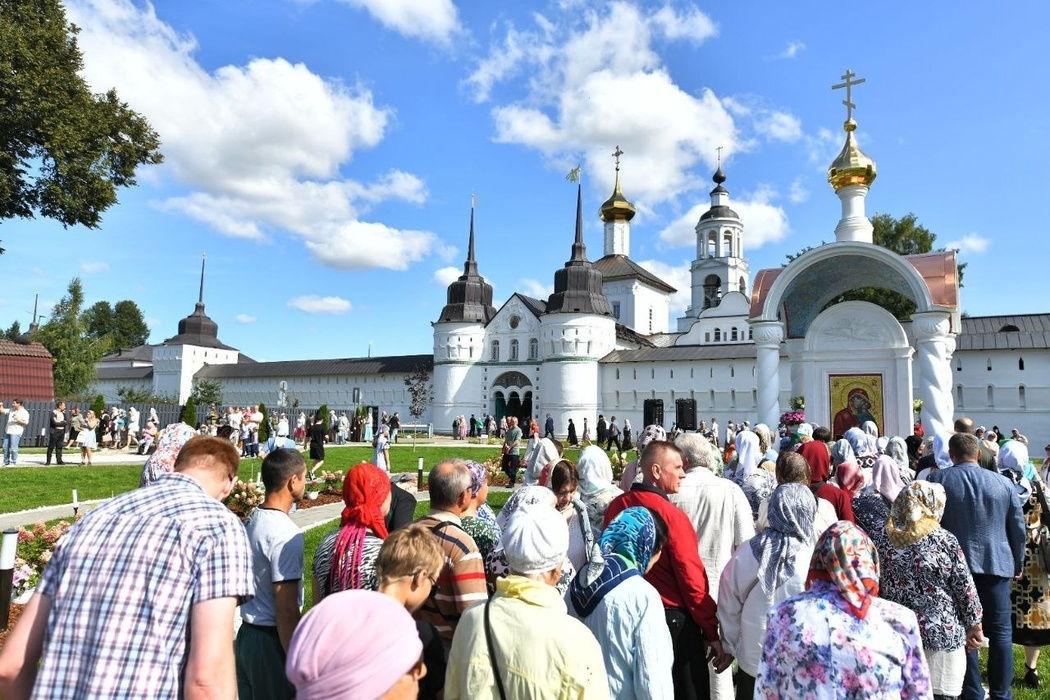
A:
(680, 353)
(987, 332)
(140, 353)
(617, 267)
(318, 368)
(116, 373)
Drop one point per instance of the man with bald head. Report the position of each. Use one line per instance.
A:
(987, 458)
(461, 583)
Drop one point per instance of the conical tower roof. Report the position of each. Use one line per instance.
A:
(469, 298)
(578, 285)
(197, 329)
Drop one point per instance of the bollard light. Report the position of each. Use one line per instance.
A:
(419, 481)
(8, 547)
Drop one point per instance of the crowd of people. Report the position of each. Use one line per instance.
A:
(857, 565)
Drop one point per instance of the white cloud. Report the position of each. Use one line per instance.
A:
(772, 124)
(534, 288)
(245, 318)
(430, 20)
(313, 304)
(259, 148)
(679, 277)
(586, 64)
(764, 222)
(970, 243)
(798, 192)
(791, 50)
(445, 276)
(91, 267)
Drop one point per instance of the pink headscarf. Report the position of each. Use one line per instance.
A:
(326, 662)
(850, 477)
(886, 478)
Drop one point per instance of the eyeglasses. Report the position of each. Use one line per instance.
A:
(434, 587)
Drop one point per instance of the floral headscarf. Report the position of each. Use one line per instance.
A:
(846, 557)
(525, 496)
(651, 432)
(850, 477)
(595, 470)
(791, 511)
(898, 450)
(479, 476)
(886, 478)
(365, 488)
(915, 513)
(624, 550)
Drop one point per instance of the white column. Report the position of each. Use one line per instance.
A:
(935, 345)
(854, 224)
(768, 336)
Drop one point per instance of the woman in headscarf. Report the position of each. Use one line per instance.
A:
(924, 569)
(630, 473)
(914, 444)
(524, 497)
(871, 506)
(479, 521)
(565, 482)
(753, 474)
(839, 639)
(623, 610)
(897, 449)
(765, 442)
(778, 560)
(841, 451)
(863, 446)
(382, 658)
(381, 448)
(850, 478)
(345, 559)
(628, 435)
(819, 459)
(596, 484)
(1030, 594)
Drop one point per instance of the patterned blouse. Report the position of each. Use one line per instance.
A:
(932, 578)
(323, 562)
(486, 536)
(870, 510)
(758, 487)
(816, 648)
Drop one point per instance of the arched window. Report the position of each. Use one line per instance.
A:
(727, 245)
(718, 335)
(743, 286)
(534, 348)
(958, 396)
(514, 350)
(712, 288)
(712, 245)
(495, 350)
(750, 334)
(734, 334)
(1020, 363)
(1021, 398)
(991, 397)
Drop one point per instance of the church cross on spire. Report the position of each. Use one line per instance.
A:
(719, 151)
(616, 154)
(848, 83)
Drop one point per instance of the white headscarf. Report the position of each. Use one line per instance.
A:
(595, 470)
(842, 451)
(860, 441)
(748, 456)
(870, 428)
(1013, 455)
(940, 449)
(535, 540)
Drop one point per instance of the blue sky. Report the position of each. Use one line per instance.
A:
(323, 154)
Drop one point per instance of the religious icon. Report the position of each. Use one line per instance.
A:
(855, 400)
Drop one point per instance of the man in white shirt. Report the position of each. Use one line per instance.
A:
(721, 515)
(17, 420)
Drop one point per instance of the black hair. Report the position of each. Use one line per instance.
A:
(280, 466)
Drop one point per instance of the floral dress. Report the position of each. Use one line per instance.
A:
(486, 535)
(870, 510)
(816, 648)
(1030, 596)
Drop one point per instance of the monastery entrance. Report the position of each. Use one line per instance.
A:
(512, 396)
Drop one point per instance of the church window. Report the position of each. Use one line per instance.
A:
(989, 364)
(991, 397)
(1021, 398)
(734, 333)
(1009, 328)
(672, 374)
(1020, 363)
(495, 350)
(750, 334)
(712, 246)
(732, 398)
(617, 372)
(732, 371)
(690, 372)
(534, 348)
(958, 364)
(754, 397)
(652, 374)
(634, 374)
(712, 288)
(616, 310)
(712, 397)
(707, 337)
(470, 351)
(650, 319)
(718, 335)
(513, 350)
(711, 371)
(727, 245)
(514, 321)
(743, 286)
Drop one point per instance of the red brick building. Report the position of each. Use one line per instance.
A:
(25, 372)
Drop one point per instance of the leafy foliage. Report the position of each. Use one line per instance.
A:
(904, 236)
(207, 392)
(324, 416)
(99, 405)
(188, 414)
(13, 331)
(264, 424)
(121, 326)
(63, 151)
(421, 391)
(73, 352)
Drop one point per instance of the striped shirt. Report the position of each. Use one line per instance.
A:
(462, 579)
(122, 583)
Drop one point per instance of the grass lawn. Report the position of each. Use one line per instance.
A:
(24, 488)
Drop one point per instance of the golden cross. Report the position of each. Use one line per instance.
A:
(616, 154)
(848, 83)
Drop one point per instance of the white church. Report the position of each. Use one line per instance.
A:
(602, 342)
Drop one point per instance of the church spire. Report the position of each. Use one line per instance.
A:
(579, 250)
(200, 297)
(617, 213)
(851, 174)
(578, 285)
(469, 298)
(471, 266)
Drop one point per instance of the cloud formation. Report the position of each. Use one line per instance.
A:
(581, 66)
(436, 21)
(534, 288)
(764, 222)
(259, 149)
(679, 277)
(792, 49)
(970, 243)
(313, 304)
(445, 276)
(245, 318)
(94, 266)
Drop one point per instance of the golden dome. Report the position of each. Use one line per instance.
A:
(852, 166)
(616, 207)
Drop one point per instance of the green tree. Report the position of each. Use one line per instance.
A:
(421, 392)
(207, 392)
(324, 416)
(63, 150)
(74, 353)
(99, 405)
(264, 424)
(135, 394)
(98, 320)
(13, 331)
(121, 326)
(188, 414)
(904, 236)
